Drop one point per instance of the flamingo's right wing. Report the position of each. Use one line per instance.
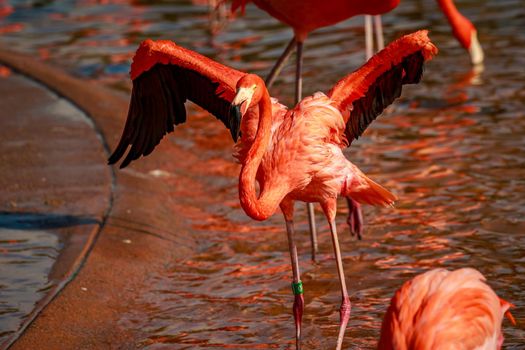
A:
(362, 95)
(165, 76)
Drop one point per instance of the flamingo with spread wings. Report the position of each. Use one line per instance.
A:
(294, 154)
(442, 309)
(305, 16)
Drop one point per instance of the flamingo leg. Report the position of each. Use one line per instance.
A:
(380, 40)
(297, 285)
(355, 218)
(313, 230)
(276, 70)
(330, 208)
(298, 73)
(345, 308)
(369, 38)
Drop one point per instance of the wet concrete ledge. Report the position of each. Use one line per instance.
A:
(136, 235)
(52, 187)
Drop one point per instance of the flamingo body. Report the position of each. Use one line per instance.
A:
(304, 153)
(443, 309)
(304, 159)
(304, 16)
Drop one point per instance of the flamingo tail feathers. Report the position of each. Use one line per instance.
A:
(370, 192)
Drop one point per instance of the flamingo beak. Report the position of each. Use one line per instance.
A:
(238, 108)
(235, 121)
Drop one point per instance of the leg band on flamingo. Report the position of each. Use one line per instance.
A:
(297, 288)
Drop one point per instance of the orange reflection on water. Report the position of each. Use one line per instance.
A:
(244, 346)
(398, 261)
(264, 268)
(11, 28)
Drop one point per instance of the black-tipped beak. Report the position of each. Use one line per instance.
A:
(235, 121)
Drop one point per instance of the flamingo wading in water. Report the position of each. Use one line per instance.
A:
(462, 29)
(442, 309)
(294, 154)
(305, 16)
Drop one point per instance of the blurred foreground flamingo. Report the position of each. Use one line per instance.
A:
(442, 309)
(305, 16)
(294, 154)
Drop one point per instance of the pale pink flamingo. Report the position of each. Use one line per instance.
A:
(305, 16)
(442, 309)
(294, 154)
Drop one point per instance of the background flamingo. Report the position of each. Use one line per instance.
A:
(305, 16)
(293, 154)
(442, 309)
(462, 28)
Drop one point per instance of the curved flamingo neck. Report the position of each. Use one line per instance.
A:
(262, 207)
(461, 27)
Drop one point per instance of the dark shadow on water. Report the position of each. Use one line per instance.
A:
(31, 220)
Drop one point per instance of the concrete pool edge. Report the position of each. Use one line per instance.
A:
(120, 253)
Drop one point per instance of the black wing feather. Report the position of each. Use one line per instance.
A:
(382, 93)
(157, 104)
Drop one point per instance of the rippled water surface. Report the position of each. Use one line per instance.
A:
(26, 257)
(452, 150)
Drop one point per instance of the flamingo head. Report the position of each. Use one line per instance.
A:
(249, 92)
(467, 36)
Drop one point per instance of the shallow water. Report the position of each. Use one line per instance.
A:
(452, 150)
(26, 257)
(49, 196)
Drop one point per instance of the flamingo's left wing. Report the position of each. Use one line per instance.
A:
(362, 95)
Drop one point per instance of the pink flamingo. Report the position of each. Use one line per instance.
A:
(442, 309)
(462, 29)
(305, 16)
(293, 154)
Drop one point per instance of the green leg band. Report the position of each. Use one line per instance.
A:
(297, 288)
